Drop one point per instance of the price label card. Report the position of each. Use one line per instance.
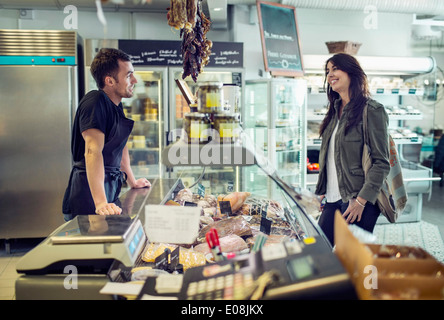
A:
(200, 190)
(265, 225)
(172, 224)
(174, 258)
(264, 210)
(161, 261)
(169, 283)
(225, 207)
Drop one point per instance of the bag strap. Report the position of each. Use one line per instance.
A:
(364, 125)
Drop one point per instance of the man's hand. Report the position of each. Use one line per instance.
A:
(106, 209)
(140, 183)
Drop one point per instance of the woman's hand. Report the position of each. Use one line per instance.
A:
(321, 202)
(354, 210)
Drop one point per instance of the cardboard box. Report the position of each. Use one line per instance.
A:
(375, 275)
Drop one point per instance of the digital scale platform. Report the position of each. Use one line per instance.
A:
(81, 252)
(88, 242)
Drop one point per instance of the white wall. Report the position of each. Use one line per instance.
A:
(390, 38)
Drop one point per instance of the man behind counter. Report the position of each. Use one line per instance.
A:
(99, 136)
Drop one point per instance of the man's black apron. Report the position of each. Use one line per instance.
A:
(78, 199)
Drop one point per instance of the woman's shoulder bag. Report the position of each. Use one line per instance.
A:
(393, 196)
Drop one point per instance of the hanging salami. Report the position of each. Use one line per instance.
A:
(187, 15)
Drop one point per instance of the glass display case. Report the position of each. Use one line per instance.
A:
(178, 104)
(275, 119)
(288, 214)
(179, 107)
(148, 110)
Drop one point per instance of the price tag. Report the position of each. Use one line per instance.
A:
(174, 259)
(200, 190)
(264, 210)
(225, 207)
(161, 262)
(265, 225)
(172, 224)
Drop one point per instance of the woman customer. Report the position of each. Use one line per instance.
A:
(341, 176)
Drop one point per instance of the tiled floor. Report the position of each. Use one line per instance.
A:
(8, 274)
(432, 212)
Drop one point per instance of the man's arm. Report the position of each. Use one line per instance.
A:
(125, 166)
(95, 171)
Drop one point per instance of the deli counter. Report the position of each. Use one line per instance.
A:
(272, 247)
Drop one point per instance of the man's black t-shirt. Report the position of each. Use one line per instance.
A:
(96, 111)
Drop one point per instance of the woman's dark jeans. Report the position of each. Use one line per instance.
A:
(326, 221)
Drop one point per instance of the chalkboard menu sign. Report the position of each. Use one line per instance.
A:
(168, 53)
(280, 41)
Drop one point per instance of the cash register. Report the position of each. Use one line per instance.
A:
(301, 269)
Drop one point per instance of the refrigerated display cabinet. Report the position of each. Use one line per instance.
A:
(148, 110)
(178, 107)
(287, 219)
(178, 104)
(275, 117)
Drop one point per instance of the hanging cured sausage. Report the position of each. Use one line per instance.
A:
(187, 15)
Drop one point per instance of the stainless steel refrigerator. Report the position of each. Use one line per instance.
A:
(38, 97)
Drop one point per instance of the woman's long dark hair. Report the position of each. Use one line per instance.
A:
(358, 91)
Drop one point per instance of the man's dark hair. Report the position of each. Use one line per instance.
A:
(106, 63)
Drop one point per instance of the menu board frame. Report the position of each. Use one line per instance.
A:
(287, 61)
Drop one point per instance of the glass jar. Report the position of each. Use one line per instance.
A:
(231, 94)
(210, 97)
(228, 126)
(196, 127)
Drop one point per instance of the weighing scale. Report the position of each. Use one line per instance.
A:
(88, 242)
(87, 247)
(73, 262)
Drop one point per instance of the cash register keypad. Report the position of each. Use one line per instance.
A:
(228, 287)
